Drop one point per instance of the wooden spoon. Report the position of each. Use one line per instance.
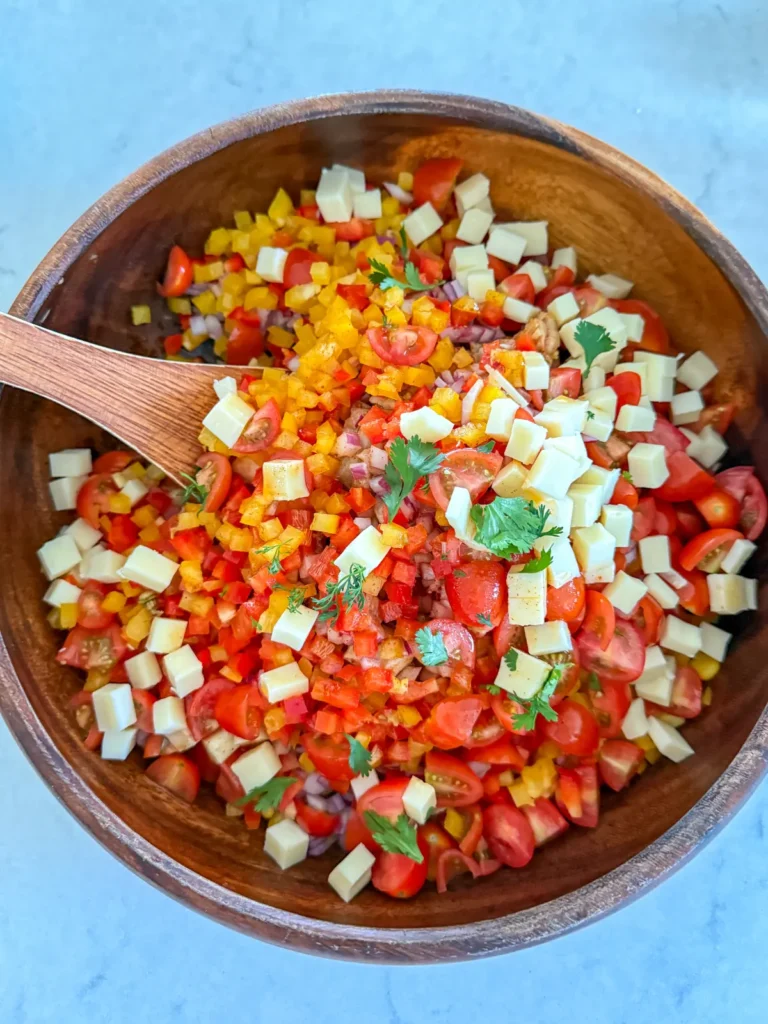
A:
(154, 406)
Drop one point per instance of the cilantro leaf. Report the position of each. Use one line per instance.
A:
(486, 447)
(593, 683)
(394, 836)
(414, 282)
(431, 647)
(359, 757)
(484, 620)
(493, 688)
(381, 277)
(459, 574)
(403, 241)
(627, 475)
(590, 414)
(348, 590)
(510, 659)
(594, 340)
(539, 704)
(269, 795)
(542, 561)
(408, 460)
(509, 526)
(193, 491)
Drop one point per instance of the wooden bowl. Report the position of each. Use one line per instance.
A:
(621, 218)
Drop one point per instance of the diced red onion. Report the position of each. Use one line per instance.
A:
(366, 663)
(407, 306)
(454, 290)
(406, 198)
(213, 327)
(347, 443)
(379, 486)
(468, 401)
(442, 610)
(358, 471)
(408, 508)
(410, 672)
(246, 468)
(361, 522)
(479, 768)
(318, 845)
(356, 413)
(378, 458)
(197, 325)
(335, 803)
(472, 333)
(315, 784)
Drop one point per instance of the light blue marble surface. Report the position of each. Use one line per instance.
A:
(90, 90)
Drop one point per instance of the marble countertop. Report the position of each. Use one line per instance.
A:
(92, 90)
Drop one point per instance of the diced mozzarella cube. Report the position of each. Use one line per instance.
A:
(635, 325)
(519, 311)
(667, 365)
(505, 244)
(599, 425)
(225, 386)
(618, 521)
(587, 503)
(422, 223)
(168, 716)
(143, 671)
(635, 722)
(220, 745)
(648, 465)
(668, 740)
(83, 570)
(730, 594)
(58, 556)
(184, 670)
(64, 492)
(560, 514)
(479, 283)
(606, 478)
(484, 204)
(270, 263)
(527, 593)
(500, 418)
(117, 745)
(686, 407)
(563, 416)
(106, 566)
(228, 418)
(655, 664)
(458, 515)
(474, 226)
(149, 569)
(683, 637)
(604, 400)
(427, 424)
(355, 175)
(256, 766)
(594, 381)
(655, 554)
(525, 441)
(362, 783)
(625, 592)
(553, 472)
(573, 446)
(548, 638)
(657, 690)
(284, 480)
(614, 325)
(286, 843)
(367, 549)
(134, 490)
(468, 257)
(494, 377)
(635, 417)
(535, 371)
(661, 591)
(83, 534)
(293, 628)
(70, 462)
(565, 257)
(535, 234)
(593, 546)
(601, 574)
(563, 308)
(334, 195)
(527, 678)
(419, 799)
(660, 376)
(707, 447)
(564, 566)
(352, 874)
(472, 191)
(284, 682)
(714, 641)
(367, 205)
(740, 553)
(674, 579)
(535, 272)
(612, 286)
(113, 707)
(509, 480)
(697, 371)
(61, 592)
(166, 635)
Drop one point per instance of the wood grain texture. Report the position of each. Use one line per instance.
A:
(622, 219)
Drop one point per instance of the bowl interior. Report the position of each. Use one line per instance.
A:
(616, 227)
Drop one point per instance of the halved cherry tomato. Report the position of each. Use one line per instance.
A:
(508, 834)
(478, 589)
(93, 497)
(624, 493)
(459, 642)
(622, 661)
(113, 462)
(507, 710)
(619, 760)
(644, 518)
(697, 551)
(330, 756)
(143, 702)
(590, 300)
(93, 648)
(575, 731)
(90, 614)
(464, 467)
(215, 475)
(695, 597)
(665, 519)
(655, 335)
(507, 635)
(499, 750)
(451, 721)
(566, 603)
(518, 286)
(686, 693)
(297, 267)
(245, 342)
(719, 508)
(687, 481)
(578, 795)
(402, 346)
(399, 876)
(434, 181)
(262, 430)
(455, 782)
(193, 544)
(609, 454)
(434, 841)
(600, 619)
(314, 821)
(200, 707)
(357, 832)
(353, 230)
(611, 705)
(385, 798)
(452, 863)
(122, 533)
(628, 388)
(176, 773)
(178, 274)
(546, 821)
(240, 710)
(648, 617)
(742, 483)
(664, 433)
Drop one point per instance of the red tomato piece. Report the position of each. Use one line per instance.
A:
(590, 300)
(433, 841)
(178, 274)
(665, 434)
(619, 760)
(611, 705)
(176, 773)
(123, 533)
(402, 346)
(297, 267)
(508, 834)
(353, 230)
(193, 544)
(578, 795)
(564, 380)
(93, 497)
(622, 661)
(648, 617)
(200, 707)
(624, 493)
(695, 597)
(215, 475)
(434, 181)
(262, 430)
(113, 462)
(93, 648)
(143, 702)
(507, 635)
(464, 467)
(399, 876)
(451, 721)
(742, 483)
(547, 823)
(686, 693)
(385, 799)
(90, 614)
(455, 782)
(479, 589)
(566, 603)
(357, 832)
(330, 756)
(655, 335)
(687, 481)
(698, 552)
(459, 642)
(245, 342)
(600, 619)
(720, 509)
(314, 821)
(518, 286)
(452, 863)
(239, 710)
(575, 731)
(644, 519)
(628, 388)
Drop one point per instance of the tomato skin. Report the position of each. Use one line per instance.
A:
(176, 773)
(262, 430)
(215, 474)
(622, 661)
(508, 834)
(581, 783)
(455, 782)
(719, 508)
(451, 721)
(90, 614)
(655, 335)
(433, 841)
(628, 388)
(297, 267)
(245, 342)
(687, 481)
(648, 618)
(143, 701)
(466, 468)
(611, 705)
(742, 483)
(566, 603)
(314, 821)
(644, 518)
(458, 641)
(698, 549)
(507, 635)
(178, 274)
(239, 710)
(93, 648)
(358, 832)
(399, 876)
(518, 286)
(564, 380)
(385, 798)
(402, 346)
(93, 497)
(113, 462)
(200, 707)
(619, 760)
(575, 731)
(452, 863)
(624, 493)
(600, 618)
(686, 693)
(481, 591)
(547, 823)
(695, 597)
(434, 181)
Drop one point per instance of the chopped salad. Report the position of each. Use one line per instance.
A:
(454, 553)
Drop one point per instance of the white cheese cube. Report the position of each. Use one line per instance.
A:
(535, 234)
(668, 740)
(730, 594)
(535, 371)
(479, 283)
(355, 176)
(519, 311)
(658, 690)
(660, 387)
(83, 534)
(594, 381)
(686, 407)
(610, 285)
(228, 418)
(419, 798)
(563, 416)
(560, 514)
(351, 875)
(113, 707)
(697, 371)
(225, 386)
(667, 365)
(565, 257)
(484, 204)
(83, 570)
(625, 592)
(422, 223)
(655, 664)
(270, 263)
(334, 195)
(184, 670)
(587, 503)
(606, 478)
(680, 636)
(527, 594)
(505, 244)
(604, 400)
(471, 192)
(220, 745)
(707, 447)
(166, 635)
(563, 308)
(500, 419)
(548, 638)
(618, 521)
(284, 480)
(635, 722)
(143, 671)
(525, 441)
(527, 678)
(362, 783)
(149, 569)
(106, 566)
(599, 425)
(468, 257)
(117, 745)
(553, 472)
(474, 226)
(58, 556)
(293, 628)
(134, 490)
(64, 492)
(181, 740)
(714, 641)
(740, 553)
(286, 843)
(648, 465)
(61, 592)
(593, 546)
(635, 417)
(168, 716)
(367, 549)
(70, 462)
(535, 272)
(510, 478)
(635, 325)
(601, 574)
(564, 566)
(655, 554)
(367, 205)
(283, 682)
(645, 402)
(119, 479)
(661, 591)
(256, 766)
(427, 424)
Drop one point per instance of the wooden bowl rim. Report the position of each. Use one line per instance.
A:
(505, 934)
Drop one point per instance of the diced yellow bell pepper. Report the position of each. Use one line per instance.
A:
(243, 220)
(130, 589)
(120, 504)
(462, 358)
(179, 305)
(144, 516)
(520, 795)
(96, 678)
(217, 242)
(706, 697)
(408, 715)
(149, 534)
(281, 207)
(706, 668)
(393, 535)
(196, 604)
(68, 615)
(137, 629)
(306, 762)
(336, 505)
(141, 315)
(447, 403)
(114, 601)
(455, 824)
(324, 523)
(260, 298)
(204, 273)
(191, 573)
